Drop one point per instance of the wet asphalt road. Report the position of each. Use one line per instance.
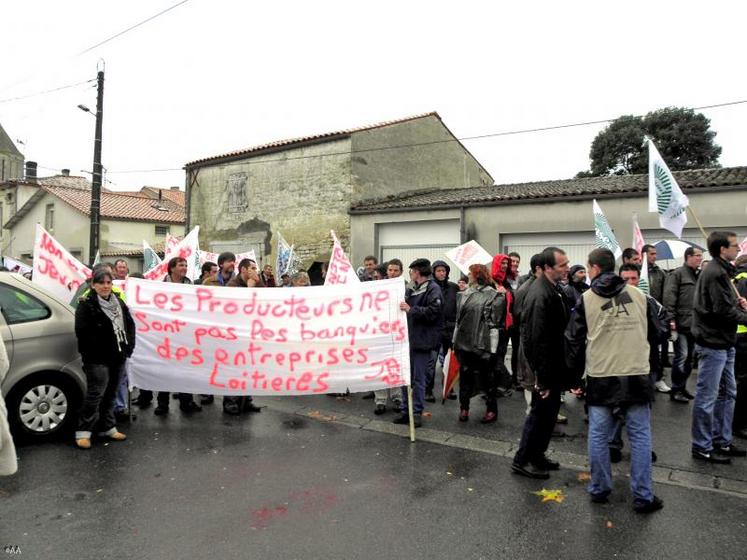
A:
(278, 485)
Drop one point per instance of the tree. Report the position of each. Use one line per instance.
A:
(682, 136)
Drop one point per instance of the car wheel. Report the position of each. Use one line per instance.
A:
(42, 406)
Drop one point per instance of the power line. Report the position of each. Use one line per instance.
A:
(417, 144)
(9, 99)
(133, 27)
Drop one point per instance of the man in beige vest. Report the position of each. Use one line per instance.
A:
(607, 339)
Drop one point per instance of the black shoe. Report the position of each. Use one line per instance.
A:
(368, 396)
(251, 407)
(601, 498)
(648, 507)
(654, 457)
(380, 409)
(207, 399)
(546, 464)
(190, 406)
(730, 451)
(232, 409)
(530, 471)
(451, 396)
(711, 457)
(404, 418)
(679, 397)
(430, 398)
(615, 455)
(688, 394)
(142, 403)
(161, 410)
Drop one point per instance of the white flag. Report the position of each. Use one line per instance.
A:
(638, 241)
(150, 257)
(664, 194)
(186, 249)
(339, 271)
(643, 283)
(605, 237)
(55, 269)
(468, 254)
(284, 257)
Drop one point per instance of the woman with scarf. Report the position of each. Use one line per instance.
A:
(106, 338)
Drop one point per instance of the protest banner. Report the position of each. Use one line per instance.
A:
(742, 248)
(56, 270)
(186, 249)
(207, 256)
(339, 271)
(258, 341)
(14, 265)
(468, 254)
(638, 241)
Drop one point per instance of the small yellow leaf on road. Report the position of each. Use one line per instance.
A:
(550, 495)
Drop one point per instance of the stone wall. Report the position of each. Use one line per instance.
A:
(301, 193)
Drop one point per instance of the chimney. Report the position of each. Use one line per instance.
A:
(66, 173)
(31, 172)
(160, 194)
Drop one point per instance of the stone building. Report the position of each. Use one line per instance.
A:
(304, 187)
(528, 217)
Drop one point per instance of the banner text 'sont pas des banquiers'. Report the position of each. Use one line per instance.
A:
(262, 341)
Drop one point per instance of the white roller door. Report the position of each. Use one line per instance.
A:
(408, 241)
(577, 245)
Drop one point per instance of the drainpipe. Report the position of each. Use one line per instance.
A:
(462, 226)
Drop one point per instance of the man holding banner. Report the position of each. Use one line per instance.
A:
(424, 308)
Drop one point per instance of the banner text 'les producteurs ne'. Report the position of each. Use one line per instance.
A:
(265, 341)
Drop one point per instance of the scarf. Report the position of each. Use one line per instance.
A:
(113, 310)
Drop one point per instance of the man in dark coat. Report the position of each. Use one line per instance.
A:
(740, 359)
(544, 317)
(424, 307)
(656, 278)
(449, 291)
(679, 294)
(717, 312)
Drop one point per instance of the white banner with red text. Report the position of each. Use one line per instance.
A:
(55, 269)
(185, 249)
(339, 270)
(264, 341)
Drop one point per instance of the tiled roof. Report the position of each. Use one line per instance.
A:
(121, 206)
(119, 251)
(174, 195)
(548, 190)
(69, 181)
(327, 136)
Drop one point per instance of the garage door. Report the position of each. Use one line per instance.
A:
(408, 241)
(577, 245)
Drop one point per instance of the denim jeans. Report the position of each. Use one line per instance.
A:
(123, 391)
(419, 363)
(682, 364)
(638, 424)
(715, 395)
(97, 411)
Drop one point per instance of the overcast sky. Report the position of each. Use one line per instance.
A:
(212, 76)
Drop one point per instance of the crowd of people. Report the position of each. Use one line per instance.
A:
(585, 329)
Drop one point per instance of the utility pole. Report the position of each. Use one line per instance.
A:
(97, 173)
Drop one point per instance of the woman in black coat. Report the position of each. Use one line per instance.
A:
(106, 338)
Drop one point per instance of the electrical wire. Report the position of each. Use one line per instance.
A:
(46, 91)
(89, 49)
(412, 145)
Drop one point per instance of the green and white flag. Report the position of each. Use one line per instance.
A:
(605, 237)
(150, 257)
(643, 284)
(664, 194)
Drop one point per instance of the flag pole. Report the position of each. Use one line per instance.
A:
(410, 413)
(697, 221)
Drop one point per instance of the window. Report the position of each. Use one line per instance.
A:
(49, 218)
(20, 307)
(161, 231)
(1, 218)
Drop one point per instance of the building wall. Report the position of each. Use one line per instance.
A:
(493, 226)
(11, 166)
(122, 234)
(71, 229)
(439, 162)
(301, 193)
